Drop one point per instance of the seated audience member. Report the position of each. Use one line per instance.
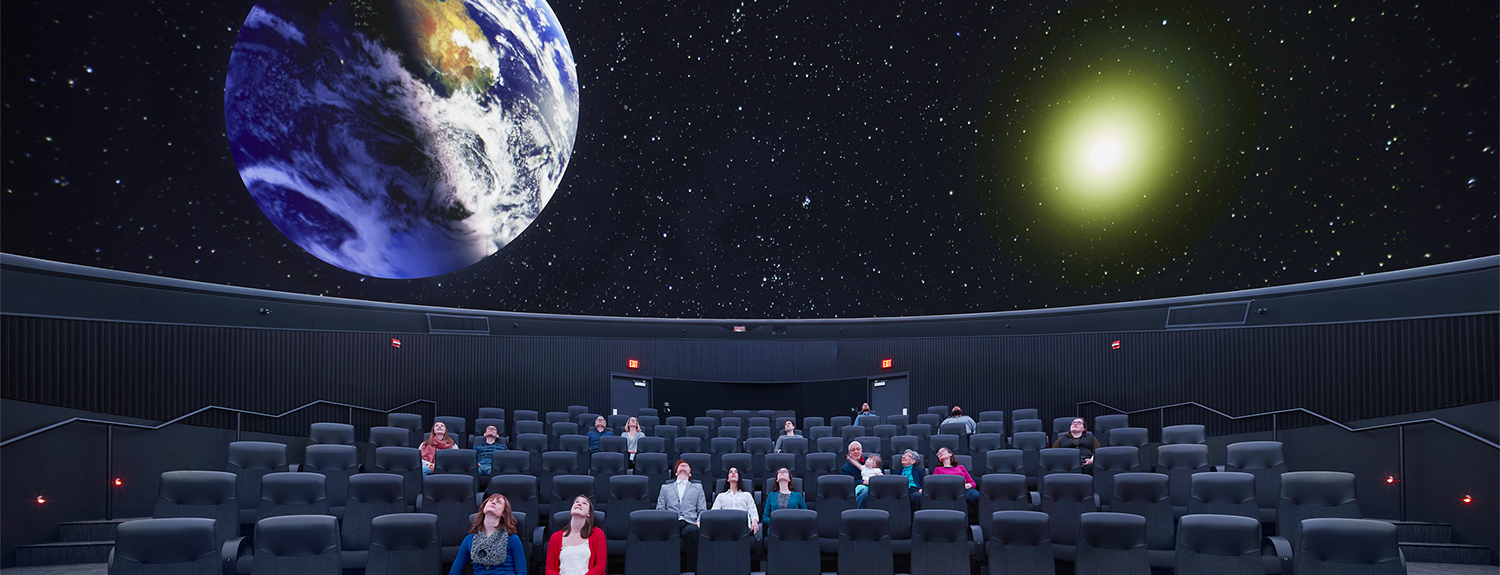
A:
(957, 416)
(600, 429)
(948, 465)
(484, 449)
(865, 410)
(686, 499)
(854, 462)
(492, 546)
(579, 548)
(735, 498)
(783, 497)
(911, 468)
(788, 429)
(871, 469)
(1078, 436)
(436, 440)
(632, 437)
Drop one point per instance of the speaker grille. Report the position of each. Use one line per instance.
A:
(1232, 313)
(438, 323)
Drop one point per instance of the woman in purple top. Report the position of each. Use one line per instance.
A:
(948, 465)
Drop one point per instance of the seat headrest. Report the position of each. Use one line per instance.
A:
(1224, 535)
(297, 535)
(197, 487)
(1068, 486)
(1117, 458)
(448, 487)
(288, 488)
(1117, 531)
(1059, 458)
(404, 531)
(607, 462)
(866, 525)
(560, 519)
(165, 541)
(1136, 436)
(257, 454)
(338, 433)
(1325, 488)
(793, 524)
(1030, 528)
(835, 486)
(1255, 454)
(628, 487)
(555, 461)
(723, 525)
(398, 458)
(515, 486)
(1183, 434)
(376, 487)
(1029, 441)
(1182, 456)
(1354, 541)
(332, 456)
(571, 486)
(943, 486)
(653, 525)
(888, 486)
(1223, 488)
(1003, 486)
(1140, 487)
(940, 525)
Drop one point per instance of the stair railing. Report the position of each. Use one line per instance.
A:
(239, 418)
(1399, 425)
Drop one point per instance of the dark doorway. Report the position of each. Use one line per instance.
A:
(890, 395)
(628, 394)
(827, 398)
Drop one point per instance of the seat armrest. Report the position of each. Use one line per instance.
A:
(976, 543)
(1279, 549)
(231, 552)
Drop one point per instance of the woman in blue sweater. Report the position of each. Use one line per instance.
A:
(783, 497)
(492, 546)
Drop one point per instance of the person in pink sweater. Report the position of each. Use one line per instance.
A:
(948, 465)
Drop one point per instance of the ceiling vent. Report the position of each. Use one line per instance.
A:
(438, 323)
(1214, 314)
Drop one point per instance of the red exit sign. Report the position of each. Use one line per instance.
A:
(887, 364)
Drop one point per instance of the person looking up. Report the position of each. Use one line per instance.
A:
(735, 498)
(686, 499)
(788, 429)
(782, 497)
(436, 440)
(911, 468)
(579, 548)
(492, 546)
(483, 450)
(957, 416)
(1078, 436)
(948, 465)
(632, 437)
(871, 469)
(600, 429)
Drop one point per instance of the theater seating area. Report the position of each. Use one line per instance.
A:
(1037, 512)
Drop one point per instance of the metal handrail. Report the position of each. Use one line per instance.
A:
(1399, 425)
(240, 414)
(109, 435)
(1162, 409)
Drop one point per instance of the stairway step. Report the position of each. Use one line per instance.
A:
(63, 553)
(1447, 553)
(97, 530)
(1422, 532)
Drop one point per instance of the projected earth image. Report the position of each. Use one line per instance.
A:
(401, 138)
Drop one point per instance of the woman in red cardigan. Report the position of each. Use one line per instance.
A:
(579, 548)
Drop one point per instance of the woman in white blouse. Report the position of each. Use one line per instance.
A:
(735, 498)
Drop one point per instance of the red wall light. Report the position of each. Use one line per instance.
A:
(118, 482)
(633, 363)
(1114, 344)
(41, 499)
(1468, 499)
(395, 342)
(1389, 479)
(887, 363)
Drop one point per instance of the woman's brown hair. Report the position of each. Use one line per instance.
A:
(588, 522)
(432, 437)
(507, 521)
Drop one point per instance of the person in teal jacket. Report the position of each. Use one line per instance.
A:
(783, 497)
(492, 546)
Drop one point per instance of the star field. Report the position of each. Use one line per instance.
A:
(782, 160)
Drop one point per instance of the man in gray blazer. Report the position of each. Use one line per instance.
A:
(687, 500)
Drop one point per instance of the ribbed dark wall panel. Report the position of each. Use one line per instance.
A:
(1345, 371)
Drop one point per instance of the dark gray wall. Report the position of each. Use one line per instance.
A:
(124, 345)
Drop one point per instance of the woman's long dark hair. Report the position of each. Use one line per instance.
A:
(507, 520)
(588, 522)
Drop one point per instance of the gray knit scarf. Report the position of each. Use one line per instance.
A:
(489, 550)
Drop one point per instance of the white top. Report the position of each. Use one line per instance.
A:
(869, 472)
(741, 501)
(574, 559)
(681, 489)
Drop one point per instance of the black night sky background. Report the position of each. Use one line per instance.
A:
(827, 159)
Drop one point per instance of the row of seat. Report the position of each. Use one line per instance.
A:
(1020, 542)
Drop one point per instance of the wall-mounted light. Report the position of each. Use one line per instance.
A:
(396, 343)
(1390, 479)
(118, 482)
(41, 499)
(1468, 499)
